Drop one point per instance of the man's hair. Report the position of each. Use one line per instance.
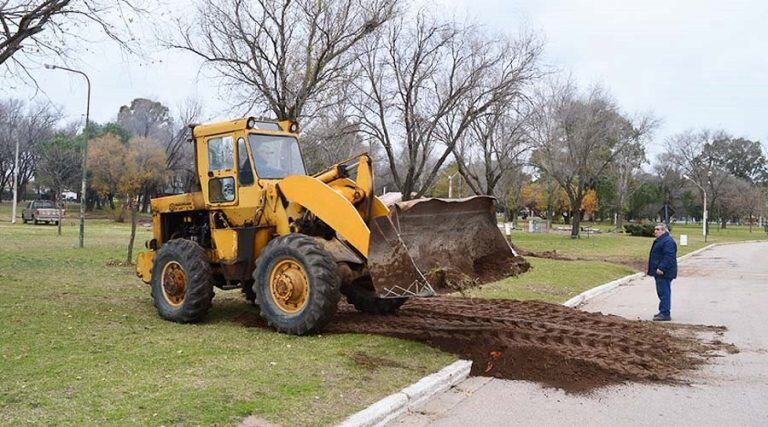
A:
(663, 227)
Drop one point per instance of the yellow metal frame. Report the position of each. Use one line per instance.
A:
(270, 205)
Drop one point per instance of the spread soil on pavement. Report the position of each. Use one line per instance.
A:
(547, 343)
(551, 344)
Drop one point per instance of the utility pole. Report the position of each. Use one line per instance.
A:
(15, 182)
(704, 215)
(86, 131)
(450, 185)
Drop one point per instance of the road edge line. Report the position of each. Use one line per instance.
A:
(390, 408)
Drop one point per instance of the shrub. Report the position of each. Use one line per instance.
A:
(645, 230)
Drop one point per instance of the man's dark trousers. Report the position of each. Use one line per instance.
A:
(664, 291)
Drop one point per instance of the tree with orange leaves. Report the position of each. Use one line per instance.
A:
(144, 168)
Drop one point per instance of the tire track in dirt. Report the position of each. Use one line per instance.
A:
(547, 343)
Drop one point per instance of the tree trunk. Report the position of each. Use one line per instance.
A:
(723, 222)
(111, 198)
(550, 215)
(575, 224)
(134, 208)
(145, 201)
(58, 223)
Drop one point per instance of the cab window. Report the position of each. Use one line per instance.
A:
(221, 153)
(244, 170)
(276, 156)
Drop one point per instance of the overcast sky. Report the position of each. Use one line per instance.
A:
(692, 63)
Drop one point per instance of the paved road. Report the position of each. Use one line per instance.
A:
(725, 285)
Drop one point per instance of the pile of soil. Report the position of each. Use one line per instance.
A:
(536, 341)
(486, 269)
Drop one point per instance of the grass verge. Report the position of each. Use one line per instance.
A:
(81, 343)
(552, 280)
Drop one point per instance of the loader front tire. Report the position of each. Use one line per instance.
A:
(296, 284)
(182, 284)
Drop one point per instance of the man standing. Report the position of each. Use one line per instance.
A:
(662, 265)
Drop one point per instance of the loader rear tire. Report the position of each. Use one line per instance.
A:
(182, 283)
(296, 284)
(366, 301)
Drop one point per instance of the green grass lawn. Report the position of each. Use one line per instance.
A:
(553, 280)
(601, 258)
(81, 343)
(618, 247)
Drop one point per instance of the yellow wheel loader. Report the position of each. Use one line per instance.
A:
(294, 243)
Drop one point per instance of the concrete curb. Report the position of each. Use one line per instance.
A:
(393, 406)
(599, 290)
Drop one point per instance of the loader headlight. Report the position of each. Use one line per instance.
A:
(294, 128)
(251, 123)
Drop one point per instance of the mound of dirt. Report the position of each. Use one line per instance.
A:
(486, 269)
(547, 343)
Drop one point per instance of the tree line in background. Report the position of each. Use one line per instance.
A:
(434, 100)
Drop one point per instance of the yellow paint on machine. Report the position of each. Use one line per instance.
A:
(330, 206)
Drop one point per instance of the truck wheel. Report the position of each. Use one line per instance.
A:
(296, 284)
(366, 301)
(182, 286)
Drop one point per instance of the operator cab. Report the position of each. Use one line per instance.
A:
(234, 156)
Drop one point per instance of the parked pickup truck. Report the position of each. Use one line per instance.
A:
(41, 211)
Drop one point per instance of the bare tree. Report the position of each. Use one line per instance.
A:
(424, 83)
(34, 29)
(578, 137)
(28, 126)
(671, 182)
(283, 56)
(623, 170)
(694, 153)
(59, 168)
(179, 153)
(494, 148)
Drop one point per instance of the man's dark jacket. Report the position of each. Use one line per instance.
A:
(664, 257)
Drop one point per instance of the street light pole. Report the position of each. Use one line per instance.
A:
(450, 184)
(85, 147)
(704, 216)
(15, 182)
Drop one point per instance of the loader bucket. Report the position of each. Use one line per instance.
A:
(392, 269)
(455, 242)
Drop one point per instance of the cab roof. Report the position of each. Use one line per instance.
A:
(245, 123)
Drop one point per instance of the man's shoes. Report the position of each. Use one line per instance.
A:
(658, 317)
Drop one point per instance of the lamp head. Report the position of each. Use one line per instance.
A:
(49, 66)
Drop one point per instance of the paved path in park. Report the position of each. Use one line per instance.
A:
(725, 285)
